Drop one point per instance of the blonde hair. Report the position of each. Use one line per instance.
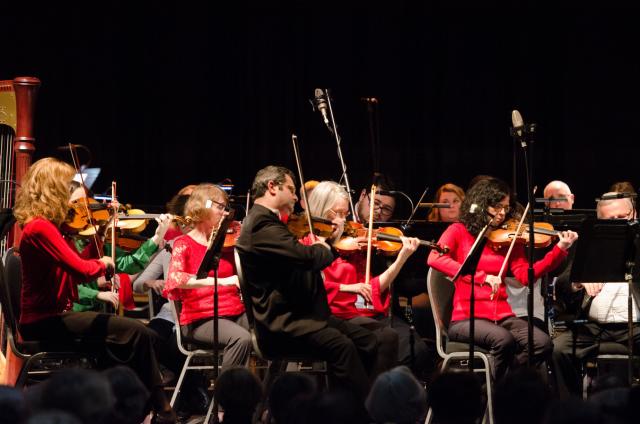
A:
(324, 196)
(196, 208)
(445, 188)
(44, 191)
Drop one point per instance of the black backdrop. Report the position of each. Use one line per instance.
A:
(188, 93)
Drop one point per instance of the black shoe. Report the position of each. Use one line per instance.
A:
(168, 376)
(164, 417)
(196, 400)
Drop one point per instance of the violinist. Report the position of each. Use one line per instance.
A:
(207, 207)
(352, 299)
(92, 294)
(384, 204)
(452, 195)
(51, 270)
(496, 327)
(289, 301)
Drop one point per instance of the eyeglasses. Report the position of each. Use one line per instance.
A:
(499, 207)
(339, 214)
(219, 205)
(386, 209)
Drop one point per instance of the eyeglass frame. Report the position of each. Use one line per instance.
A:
(384, 208)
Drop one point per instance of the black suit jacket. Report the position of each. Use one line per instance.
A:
(282, 276)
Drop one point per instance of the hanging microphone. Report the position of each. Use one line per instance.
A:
(320, 102)
(70, 146)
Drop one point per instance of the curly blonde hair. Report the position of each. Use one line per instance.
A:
(196, 209)
(44, 191)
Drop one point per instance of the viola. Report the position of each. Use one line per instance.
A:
(503, 236)
(298, 224)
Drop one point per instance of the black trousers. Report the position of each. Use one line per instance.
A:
(349, 349)
(388, 344)
(505, 340)
(587, 338)
(116, 340)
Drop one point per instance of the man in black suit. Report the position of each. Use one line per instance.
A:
(289, 301)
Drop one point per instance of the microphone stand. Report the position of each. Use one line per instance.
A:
(333, 129)
(524, 134)
(469, 267)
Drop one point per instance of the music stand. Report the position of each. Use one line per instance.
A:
(606, 252)
(469, 267)
(211, 261)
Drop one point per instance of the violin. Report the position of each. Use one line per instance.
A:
(385, 239)
(298, 225)
(503, 236)
(83, 212)
(233, 232)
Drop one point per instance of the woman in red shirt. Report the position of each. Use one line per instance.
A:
(51, 270)
(349, 297)
(496, 327)
(206, 207)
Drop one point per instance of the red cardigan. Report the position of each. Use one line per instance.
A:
(459, 241)
(51, 269)
(198, 303)
(351, 270)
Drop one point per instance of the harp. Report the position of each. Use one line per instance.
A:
(17, 141)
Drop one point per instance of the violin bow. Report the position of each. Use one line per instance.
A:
(76, 165)
(296, 152)
(513, 242)
(367, 275)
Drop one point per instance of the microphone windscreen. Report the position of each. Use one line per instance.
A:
(516, 119)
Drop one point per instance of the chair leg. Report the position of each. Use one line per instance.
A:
(176, 391)
(209, 411)
(487, 377)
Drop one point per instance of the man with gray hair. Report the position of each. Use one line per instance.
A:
(606, 307)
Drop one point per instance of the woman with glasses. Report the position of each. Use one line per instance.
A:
(206, 206)
(496, 327)
(349, 297)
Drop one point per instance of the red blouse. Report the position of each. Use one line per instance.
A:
(459, 241)
(51, 269)
(198, 303)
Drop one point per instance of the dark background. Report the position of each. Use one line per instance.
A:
(167, 96)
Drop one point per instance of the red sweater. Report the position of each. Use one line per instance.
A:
(51, 269)
(351, 270)
(198, 303)
(459, 241)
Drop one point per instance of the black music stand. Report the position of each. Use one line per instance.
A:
(469, 267)
(211, 261)
(606, 252)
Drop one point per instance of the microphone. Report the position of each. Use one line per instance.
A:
(435, 205)
(321, 104)
(70, 146)
(473, 208)
(616, 195)
(518, 124)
